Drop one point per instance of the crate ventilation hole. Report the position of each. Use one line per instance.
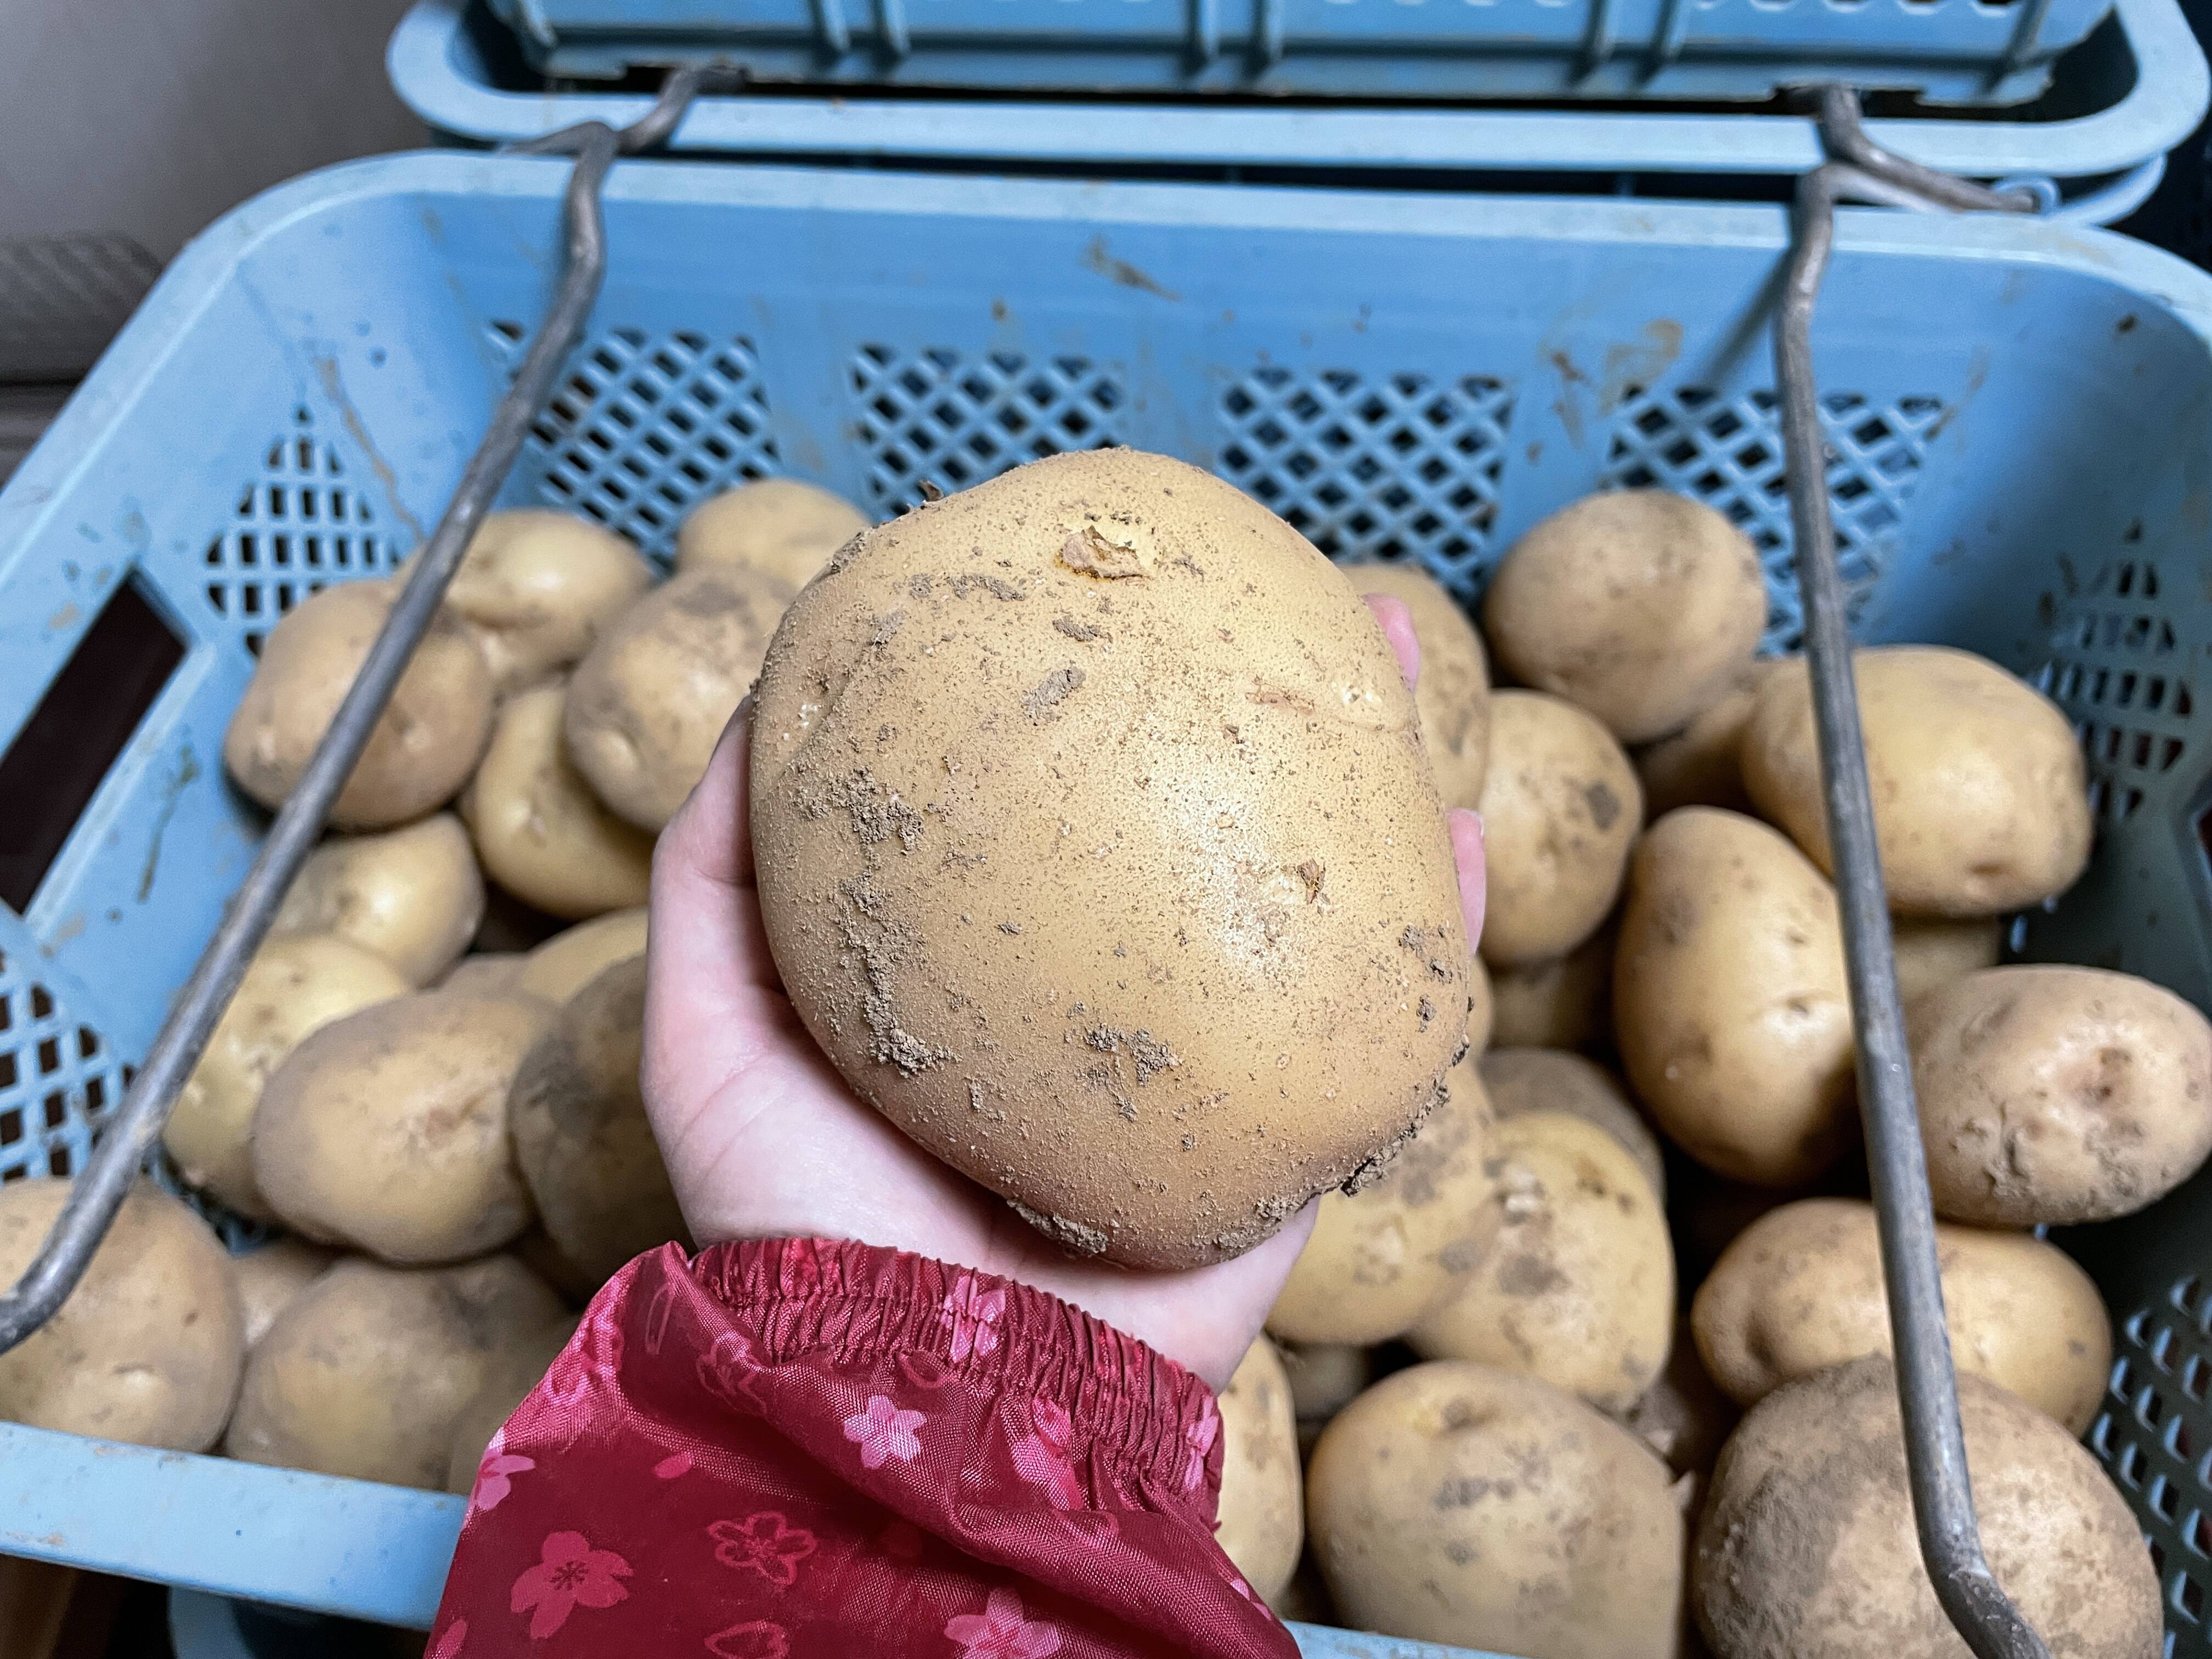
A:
(2160, 1384)
(56, 1075)
(2114, 669)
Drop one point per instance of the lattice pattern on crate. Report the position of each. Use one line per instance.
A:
(2152, 1437)
(643, 427)
(1727, 452)
(953, 420)
(2114, 668)
(57, 1079)
(299, 525)
(1396, 466)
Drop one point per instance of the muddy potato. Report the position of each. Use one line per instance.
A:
(1576, 1287)
(1934, 951)
(542, 833)
(413, 895)
(574, 957)
(1565, 1003)
(387, 1131)
(2058, 1095)
(369, 1368)
(147, 1348)
(781, 527)
(422, 749)
(1702, 764)
(1807, 1548)
(1481, 1009)
(1729, 1000)
(1521, 1080)
(537, 587)
(510, 1375)
(1453, 695)
(296, 984)
(1262, 1503)
(1980, 796)
(1560, 809)
(1458, 1504)
(1801, 1289)
(647, 705)
(1071, 880)
(270, 1276)
(580, 1135)
(1638, 605)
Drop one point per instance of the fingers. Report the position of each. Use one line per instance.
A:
(1398, 629)
(1469, 854)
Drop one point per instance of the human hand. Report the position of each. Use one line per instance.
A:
(763, 1139)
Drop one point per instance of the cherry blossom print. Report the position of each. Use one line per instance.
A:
(884, 1431)
(449, 1641)
(728, 1368)
(1240, 1587)
(657, 1313)
(593, 1355)
(494, 1471)
(1040, 1457)
(669, 1468)
(1000, 1631)
(924, 1370)
(757, 1638)
(764, 1543)
(569, 1574)
(1198, 1440)
(973, 1314)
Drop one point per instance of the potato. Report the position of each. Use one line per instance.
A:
(510, 1375)
(270, 1276)
(1377, 1261)
(1806, 1548)
(1638, 605)
(580, 1135)
(1577, 1285)
(647, 705)
(1565, 1003)
(781, 527)
(1456, 1504)
(1934, 952)
(147, 1347)
(1560, 809)
(413, 895)
(2058, 1095)
(1800, 1290)
(573, 958)
(1730, 999)
(537, 1252)
(1453, 695)
(1980, 796)
(537, 587)
(387, 1131)
(368, 1372)
(487, 972)
(1262, 1506)
(1520, 1080)
(295, 984)
(1683, 1416)
(542, 833)
(1324, 1377)
(1480, 1008)
(423, 748)
(1702, 764)
(1070, 876)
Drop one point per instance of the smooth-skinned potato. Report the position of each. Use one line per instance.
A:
(1801, 1289)
(1935, 950)
(2058, 1095)
(1068, 874)
(271, 1275)
(1702, 764)
(413, 895)
(1730, 999)
(1454, 1502)
(1520, 1080)
(576, 956)
(1565, 1003)
(785, 528)
(1980, 794)
(486, 972)
(1560, 809)
(1324, 1377)
(1452, 693)
(1638, 605)
(296, 984)
(422, 748)
(510, 1375)
(1807, 1548)
(542, 833)
(147, 1348)
(536, 587)
(1262, 1511)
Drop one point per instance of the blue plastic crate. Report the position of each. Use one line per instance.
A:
(2021, 417)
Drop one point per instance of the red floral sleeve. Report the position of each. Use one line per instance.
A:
(798, 1448)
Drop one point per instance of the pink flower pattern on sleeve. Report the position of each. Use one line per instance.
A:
(569, 1574)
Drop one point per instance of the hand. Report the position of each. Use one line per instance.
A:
(763, 1139)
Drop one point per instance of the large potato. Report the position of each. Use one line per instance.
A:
(1565, 1003)
(1560, 809)
(537, 587)
(1801, 1289)
(1458, 1504)
(1807, 1548)
(1935, 950)
(1521, 1080)
(1262, 1503)
(581, 1134)
(542, 833)
(485, 972)
(368, 1372)
(412, 895)
(1380, 1258)
(1980, 796)
(510, 1373)
(1730, 999)
(1578, 1285)
(147, 1347)
(782, 527)
(1638, 605)
(296, 984)
(387, 1131)
(2058, 1094)
(1702, 764)
(576, 956)
(1481, 1009)
(1096, 849)
(423, 748)
(270, 1276)
(647, 705)
(1453, 695)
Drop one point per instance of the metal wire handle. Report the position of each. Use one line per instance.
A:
(128, 1139)
(1927, 1385)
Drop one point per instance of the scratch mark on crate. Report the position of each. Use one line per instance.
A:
(1096, 258)
(327, 368)
(1632, 365)
(187, 773)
